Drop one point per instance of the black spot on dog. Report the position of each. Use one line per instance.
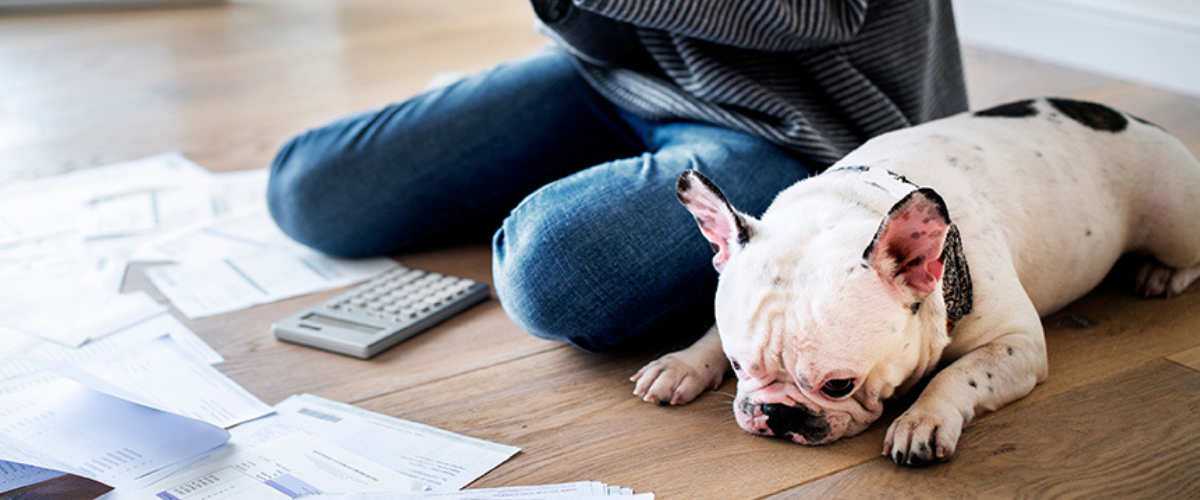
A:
(916, 306)
(989, 374)
(1091, 115)
(972, 383)
(1010, 351)
(786, 421)
(1018, 109)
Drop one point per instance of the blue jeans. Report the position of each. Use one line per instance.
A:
(592, 247)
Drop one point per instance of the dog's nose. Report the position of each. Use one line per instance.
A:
(795, 423)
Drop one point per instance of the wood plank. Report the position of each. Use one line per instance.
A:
(1134, 435)
(1189, 358)
(68, 487)
(240, 79)
(1110, 331)
(994, 78)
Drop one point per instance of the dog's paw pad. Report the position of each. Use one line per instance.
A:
(673, 380)
(1155, 279)
(917, 439)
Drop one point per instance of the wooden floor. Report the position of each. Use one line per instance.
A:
(226, 85)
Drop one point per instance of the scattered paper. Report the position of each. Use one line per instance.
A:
(245, 261)
(443, 460)
(57, 423)
(163, 377)
(293, 466)
(65, 240)
(120, 341)
(71, 301)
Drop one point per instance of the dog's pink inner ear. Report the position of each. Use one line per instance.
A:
(909, 242)
(717, 219)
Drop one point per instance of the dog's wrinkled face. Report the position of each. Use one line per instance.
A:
(819, 332)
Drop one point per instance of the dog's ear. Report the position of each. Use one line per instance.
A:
(725, 228)
(907, 248)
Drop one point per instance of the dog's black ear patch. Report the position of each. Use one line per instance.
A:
(1018, 109)
(1091, 115)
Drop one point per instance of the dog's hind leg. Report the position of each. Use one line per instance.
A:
(1169, 225)
(1156, 279)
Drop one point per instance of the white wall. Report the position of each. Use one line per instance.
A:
(1151, 42)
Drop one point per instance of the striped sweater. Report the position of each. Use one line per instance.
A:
(818, 77)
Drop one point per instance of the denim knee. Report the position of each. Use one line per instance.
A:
(309, 198)
(564, 271)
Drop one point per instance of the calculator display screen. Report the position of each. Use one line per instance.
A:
(340, 323)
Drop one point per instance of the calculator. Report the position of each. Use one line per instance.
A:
(380, 313)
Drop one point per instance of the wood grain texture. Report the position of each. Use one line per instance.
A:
(1189, 358)
(1132, 435)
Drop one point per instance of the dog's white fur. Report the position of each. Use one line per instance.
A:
(1045, 206)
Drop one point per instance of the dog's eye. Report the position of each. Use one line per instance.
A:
(737, 369)
(838, 388)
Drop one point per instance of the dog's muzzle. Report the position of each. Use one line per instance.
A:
(794, 423)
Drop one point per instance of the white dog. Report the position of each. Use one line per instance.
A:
(856, 284)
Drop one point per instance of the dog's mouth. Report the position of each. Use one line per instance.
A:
(797, 424)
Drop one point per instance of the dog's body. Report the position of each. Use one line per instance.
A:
(856, 284)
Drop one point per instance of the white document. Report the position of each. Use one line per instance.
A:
(57, 423)
(290, 467)
(121, 341)
(65, 240)
(443, 460)
(566, 491)
(36, 209)
(254, 272)
(57, 290)
(163, 377)
(157, 363)
(48, 306)
(14, 475)
(141, 208)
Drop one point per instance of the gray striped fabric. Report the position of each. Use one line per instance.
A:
(818, 77)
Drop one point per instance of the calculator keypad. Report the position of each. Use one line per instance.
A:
(401, 295)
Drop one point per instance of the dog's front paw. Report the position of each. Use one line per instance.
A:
(921, 437)
(678, 378)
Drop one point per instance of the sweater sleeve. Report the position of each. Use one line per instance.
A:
(765, 25)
